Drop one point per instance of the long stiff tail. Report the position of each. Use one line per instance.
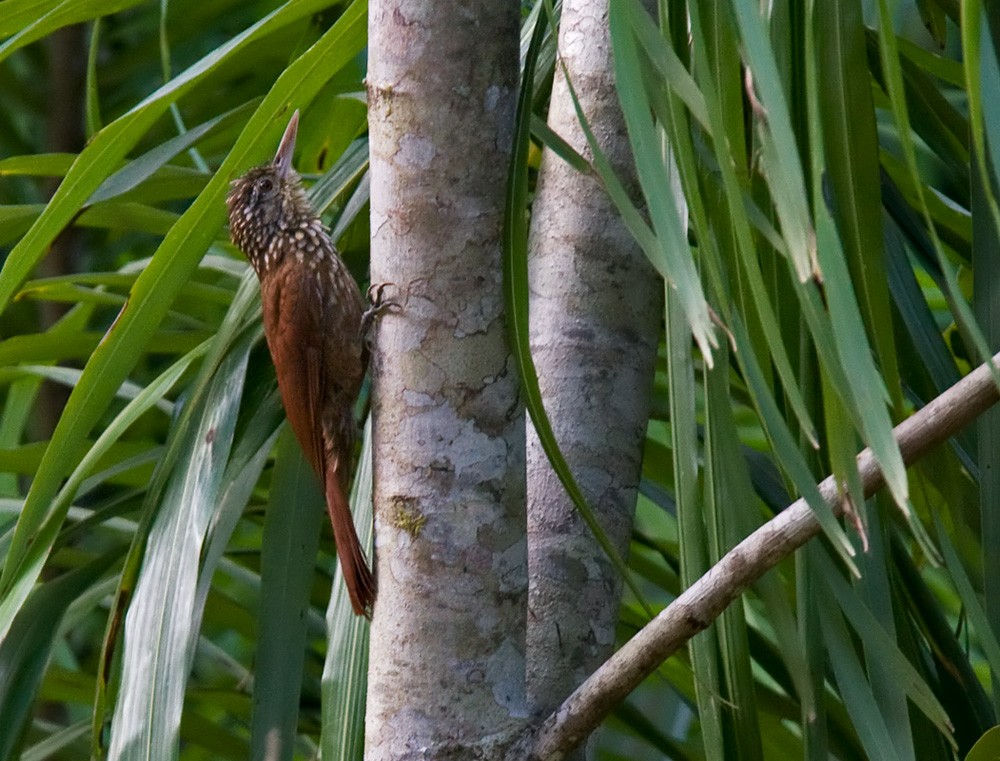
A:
(357, 575)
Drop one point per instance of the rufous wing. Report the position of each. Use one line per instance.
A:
(294, 320)
(290, 324)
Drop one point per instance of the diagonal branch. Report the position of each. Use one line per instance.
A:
(704, 600)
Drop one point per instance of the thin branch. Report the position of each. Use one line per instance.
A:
(696, 608)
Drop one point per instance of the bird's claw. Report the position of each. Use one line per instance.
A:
(376, 296)
(379, 304)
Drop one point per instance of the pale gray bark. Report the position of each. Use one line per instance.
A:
(596, 304)
(446, 679)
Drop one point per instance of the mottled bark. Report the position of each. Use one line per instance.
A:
(596, 304)
(446, 679)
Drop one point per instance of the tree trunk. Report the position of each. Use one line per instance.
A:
(446, 679)
(595, 312)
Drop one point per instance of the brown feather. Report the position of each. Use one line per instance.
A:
(318, 360)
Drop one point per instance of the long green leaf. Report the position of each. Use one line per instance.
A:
(109, 146)
(291, 539)
(884, 651)
(25, 652)
(24, 21)
(159, 636)
(851, 163)
(156, 288)
(779, 149)
(345, 670)
(143, 167)
(672, 256)
(875, 736)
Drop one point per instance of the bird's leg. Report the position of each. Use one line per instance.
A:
(378, 306)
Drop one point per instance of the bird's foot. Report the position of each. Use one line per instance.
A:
(379, 305)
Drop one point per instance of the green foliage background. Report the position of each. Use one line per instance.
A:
(825, 217)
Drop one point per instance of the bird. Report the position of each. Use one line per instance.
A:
(314, 323)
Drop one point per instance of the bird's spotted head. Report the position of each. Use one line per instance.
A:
(268, 204)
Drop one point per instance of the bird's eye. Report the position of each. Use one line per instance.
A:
(266, 185)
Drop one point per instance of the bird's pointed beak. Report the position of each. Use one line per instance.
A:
(283, 158)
